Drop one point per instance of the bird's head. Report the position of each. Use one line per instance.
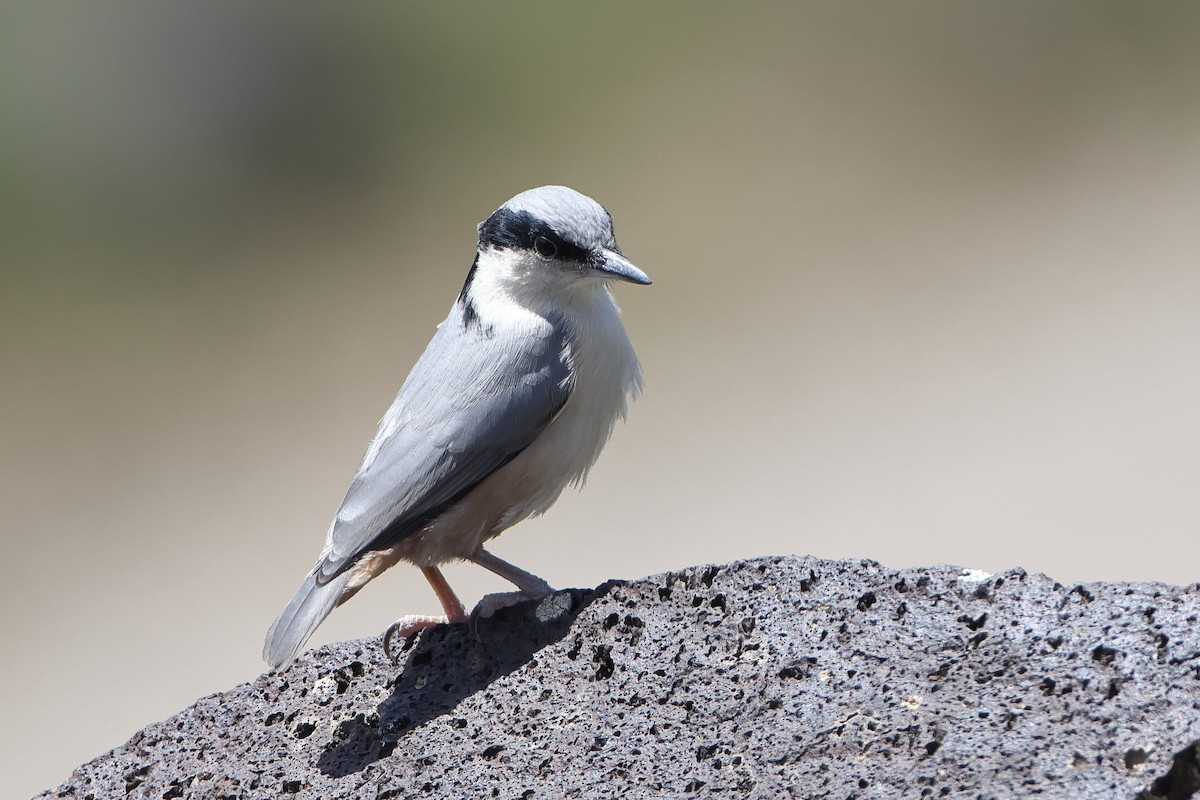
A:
(551, 239)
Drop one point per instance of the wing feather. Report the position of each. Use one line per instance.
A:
(473, 401)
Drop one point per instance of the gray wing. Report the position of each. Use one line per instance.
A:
(472, 402)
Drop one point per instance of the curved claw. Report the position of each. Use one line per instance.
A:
(405, 627)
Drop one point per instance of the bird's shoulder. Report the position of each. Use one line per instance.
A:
(475, 373)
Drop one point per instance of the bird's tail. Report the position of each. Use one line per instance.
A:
(300, 618)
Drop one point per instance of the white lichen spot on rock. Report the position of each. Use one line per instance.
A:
(553, 606)
(974, 576)
(324, 690)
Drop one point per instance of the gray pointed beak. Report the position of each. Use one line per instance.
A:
(612, 264)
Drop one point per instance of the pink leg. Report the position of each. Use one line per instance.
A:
(445, 595)
(408, 625)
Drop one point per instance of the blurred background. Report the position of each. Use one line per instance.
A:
(927, 290)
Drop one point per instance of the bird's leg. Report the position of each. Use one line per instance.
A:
(531, 586)
(408, 625)
(445, 595)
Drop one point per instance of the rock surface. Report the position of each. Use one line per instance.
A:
(776, 677)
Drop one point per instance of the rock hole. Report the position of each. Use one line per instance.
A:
(1104, 655)
(807, 584)
(603, 660)
(136, 778)
(974, 623)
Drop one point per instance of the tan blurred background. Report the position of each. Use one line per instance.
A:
(927, 289)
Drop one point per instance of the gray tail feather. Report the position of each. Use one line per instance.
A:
(300, 618)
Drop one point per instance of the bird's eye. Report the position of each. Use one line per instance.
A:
(545, 247)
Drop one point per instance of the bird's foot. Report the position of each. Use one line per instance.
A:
(489, 604)
(405, 627)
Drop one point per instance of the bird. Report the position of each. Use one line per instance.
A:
(512, 400)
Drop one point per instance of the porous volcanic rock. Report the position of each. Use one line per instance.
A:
(774, 677)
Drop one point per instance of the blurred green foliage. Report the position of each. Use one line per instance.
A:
(136, 125)
(134, 128)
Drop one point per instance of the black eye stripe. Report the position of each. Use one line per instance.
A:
(506, 229)
(563, 249)
(518, 230)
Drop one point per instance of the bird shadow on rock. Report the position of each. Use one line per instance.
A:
(448, 663)
(1181, 782)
